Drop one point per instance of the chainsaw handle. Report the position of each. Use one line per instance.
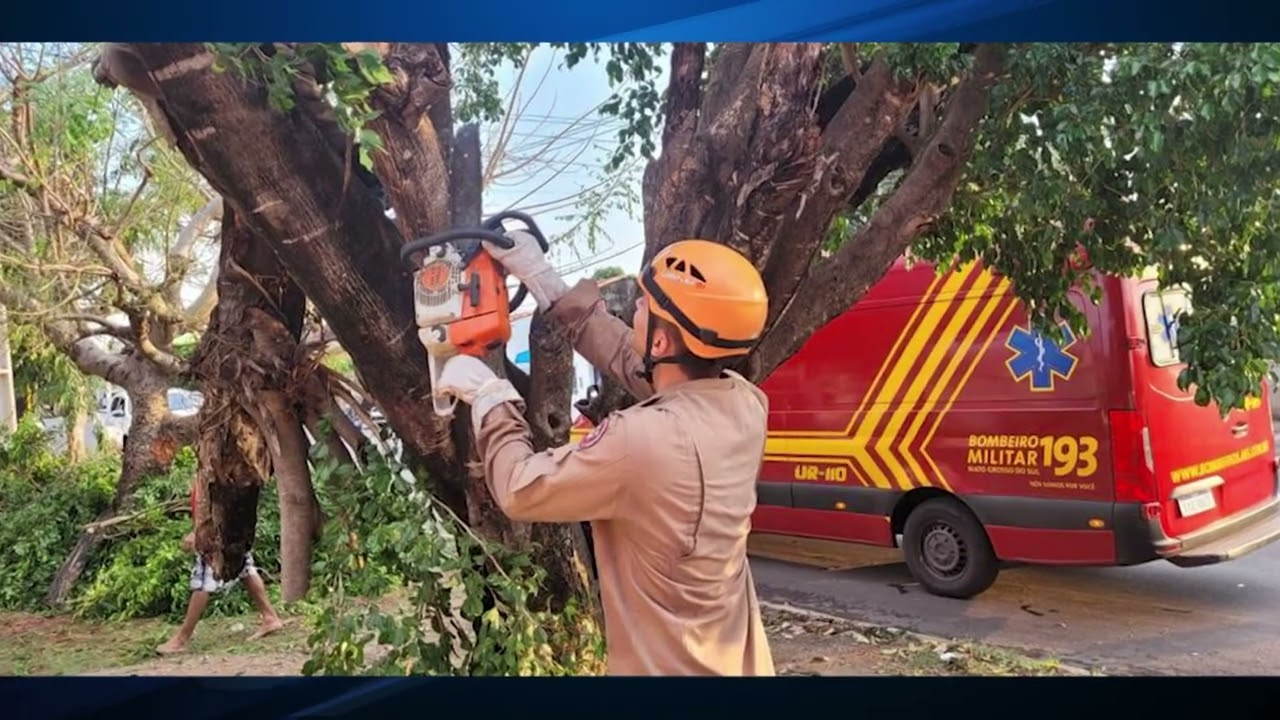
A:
(495, 224)
(417, 245)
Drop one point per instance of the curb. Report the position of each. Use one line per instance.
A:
(1075, 670)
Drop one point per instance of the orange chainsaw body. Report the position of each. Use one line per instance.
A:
(460, 294)
(473, 316)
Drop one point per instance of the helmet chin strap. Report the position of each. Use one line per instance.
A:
(649, 362)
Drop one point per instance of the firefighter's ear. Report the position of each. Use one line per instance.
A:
(664, 342)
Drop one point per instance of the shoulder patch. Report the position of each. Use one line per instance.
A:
(595, 435)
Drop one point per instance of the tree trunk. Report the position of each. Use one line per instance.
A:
(233, 464)
(247, 363)
(77, 426)
(299, 508)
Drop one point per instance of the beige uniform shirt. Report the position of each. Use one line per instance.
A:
(669, 486)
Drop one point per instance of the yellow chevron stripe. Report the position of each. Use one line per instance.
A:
(992, 334)
(889, 360)
(868, 426)
(926, 374)
(858, 444)
(988, 306)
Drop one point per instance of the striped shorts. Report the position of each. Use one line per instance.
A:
(202, 578)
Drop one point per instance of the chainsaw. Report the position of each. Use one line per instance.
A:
(460, 293)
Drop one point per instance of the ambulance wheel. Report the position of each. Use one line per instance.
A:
(947, 550)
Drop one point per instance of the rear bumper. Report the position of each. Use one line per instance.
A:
(1225, 540)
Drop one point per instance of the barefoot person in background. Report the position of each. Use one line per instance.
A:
(203, 584)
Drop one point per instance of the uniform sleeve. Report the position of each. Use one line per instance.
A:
(572, 483)
(601, 338)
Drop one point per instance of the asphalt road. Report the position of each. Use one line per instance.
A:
(1150, 619)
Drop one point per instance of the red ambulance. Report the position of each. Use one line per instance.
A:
(931, 417)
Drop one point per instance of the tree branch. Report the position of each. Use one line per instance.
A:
(105, 327)
(853, 140)
(923, 196)
(411, 165)
(197, 314)
(190, 232)
(732, 177)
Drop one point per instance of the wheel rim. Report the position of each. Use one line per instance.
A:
(944, 551)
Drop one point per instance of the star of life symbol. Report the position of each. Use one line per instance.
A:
(1038, 360)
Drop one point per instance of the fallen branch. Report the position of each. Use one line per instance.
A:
(173, 505)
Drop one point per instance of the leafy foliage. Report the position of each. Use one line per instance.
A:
(610, 271)
(1149, 155)
(449, 603)
(43, 503)
(464, 608)
(138, 569)
(351, 77)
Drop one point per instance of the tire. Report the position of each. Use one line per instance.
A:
(947, 550)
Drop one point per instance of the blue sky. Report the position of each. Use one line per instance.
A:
(556, 100)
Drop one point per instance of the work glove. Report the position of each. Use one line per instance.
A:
(471, 381)
(527, 262)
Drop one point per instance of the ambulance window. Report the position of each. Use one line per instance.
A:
(1162, 311)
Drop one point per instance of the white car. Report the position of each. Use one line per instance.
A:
(115, 410)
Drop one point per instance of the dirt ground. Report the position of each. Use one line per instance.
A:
(802, 645)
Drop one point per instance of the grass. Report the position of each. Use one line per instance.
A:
(59, 645)
(965, 658)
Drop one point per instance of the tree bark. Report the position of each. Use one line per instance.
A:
(247, 363)
(77, 424)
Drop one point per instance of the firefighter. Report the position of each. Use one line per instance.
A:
(668, 484)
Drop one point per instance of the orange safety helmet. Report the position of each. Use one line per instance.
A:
(711, 293)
